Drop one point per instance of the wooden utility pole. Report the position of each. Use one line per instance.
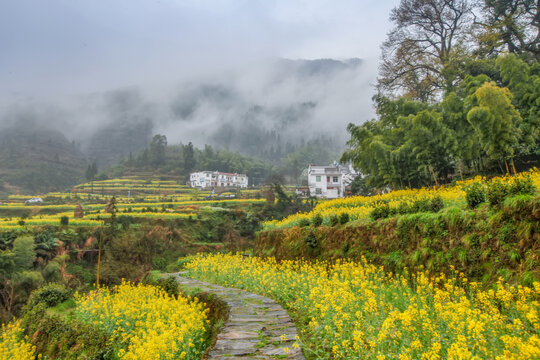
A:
(99, 255)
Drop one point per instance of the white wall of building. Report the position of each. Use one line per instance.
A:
(212, 179)
(329, 181)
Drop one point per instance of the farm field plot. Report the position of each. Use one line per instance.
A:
(398, 201)
(358, 311)
(148, 199)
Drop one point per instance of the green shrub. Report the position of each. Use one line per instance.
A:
(159, 263)
(316, 220)
(344, 218)
(522, 187)
(311, 240)
(437, 203)
(380, 212)
(421, 205)
(60, 337)
(303, 223)
(64, 220)
(496, 192)
(168, 284)
(50, 295)
(403, 208)
(334, 220)
(475, 195)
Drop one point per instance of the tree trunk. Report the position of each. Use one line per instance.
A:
(507, 170)
(433, 174)
(513, 166)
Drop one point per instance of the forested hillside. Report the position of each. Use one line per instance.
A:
(38, 160)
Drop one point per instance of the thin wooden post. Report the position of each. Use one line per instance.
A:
(99, 255)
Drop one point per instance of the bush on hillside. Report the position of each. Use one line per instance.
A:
(317, 220)
(496, 192)
(50, 295)
(522, 186)
(475, 195)
(437, 203)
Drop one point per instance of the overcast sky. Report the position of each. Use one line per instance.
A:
(79, 46)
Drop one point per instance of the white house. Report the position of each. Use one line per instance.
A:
(33, 201)
(329, 181)
(212, 179)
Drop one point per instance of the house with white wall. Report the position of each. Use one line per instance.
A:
(213, 179)
(329, 181)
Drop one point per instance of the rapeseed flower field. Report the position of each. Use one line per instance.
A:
(358, 311)
(145, 323)
(13, 343)
(359, 207)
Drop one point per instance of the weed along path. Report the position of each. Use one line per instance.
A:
(257, 328)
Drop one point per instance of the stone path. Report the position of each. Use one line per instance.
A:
(255, 326)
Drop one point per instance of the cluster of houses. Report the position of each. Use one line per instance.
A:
(331, 182)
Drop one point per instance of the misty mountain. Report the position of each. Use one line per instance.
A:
(267, 110)
(38, 159)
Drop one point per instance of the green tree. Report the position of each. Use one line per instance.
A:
(156, 153)
(91, 172)
(189, 158)
(24, 254)
(496, 122)
(523, 80)
(430, 141)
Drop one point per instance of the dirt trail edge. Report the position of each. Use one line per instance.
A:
(257, 328)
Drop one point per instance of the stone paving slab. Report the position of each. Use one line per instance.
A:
(254, 328)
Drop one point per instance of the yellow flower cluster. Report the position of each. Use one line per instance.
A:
(357, 311)
(13, 345)
(359, 207)
(145, 323)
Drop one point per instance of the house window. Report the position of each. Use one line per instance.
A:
(328, 179)
(318, 179)
(318, 191)
(335, 179)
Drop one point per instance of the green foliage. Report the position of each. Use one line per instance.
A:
(311, 240)
(316, 220)
(24, 254)
(496, 121)
(488, 120)
(344, 218)
(167, 284)
(60, 337)
(380, 212)
(475, 195)
(50, 295)
(522, 187)
(437, 203)
(334, 220)
(421, 205)
(64, 220)
(496, 192)
(159, 263)
(303, 222)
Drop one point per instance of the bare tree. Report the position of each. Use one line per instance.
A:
(426, 34)
(511, 25)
